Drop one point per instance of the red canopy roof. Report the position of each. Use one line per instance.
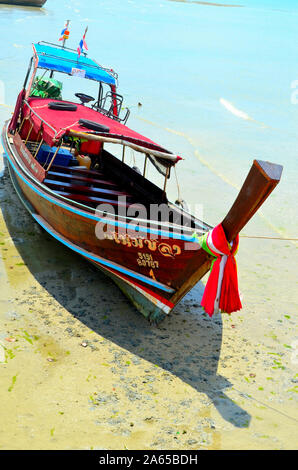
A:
(57, 123)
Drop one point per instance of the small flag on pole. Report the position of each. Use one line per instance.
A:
(64, 33)
(83, 45)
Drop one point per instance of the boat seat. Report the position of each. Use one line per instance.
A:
(84, 189)
(94, 201)
(76, 169)
(70, 176)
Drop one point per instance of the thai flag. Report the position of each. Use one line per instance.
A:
(83, 45)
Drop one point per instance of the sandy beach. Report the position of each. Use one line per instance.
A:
(83, 370)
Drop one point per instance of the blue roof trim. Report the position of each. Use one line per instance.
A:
(65, 61)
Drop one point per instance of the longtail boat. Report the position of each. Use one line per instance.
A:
(97, 205)
(26, 3)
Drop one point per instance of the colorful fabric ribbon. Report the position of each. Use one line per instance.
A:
(221, 291)
(64, 33)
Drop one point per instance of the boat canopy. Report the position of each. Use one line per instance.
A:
(68, 61)
(57, 124)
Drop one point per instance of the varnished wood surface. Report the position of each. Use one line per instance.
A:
(260, 182)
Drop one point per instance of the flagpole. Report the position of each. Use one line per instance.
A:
(64, 40)
(82, 45)
(85, 32)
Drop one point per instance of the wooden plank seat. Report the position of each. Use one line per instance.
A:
(54, 184)
(76, 169)
(92, 200)
(57, 175)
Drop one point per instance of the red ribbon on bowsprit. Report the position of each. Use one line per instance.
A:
(221, 291)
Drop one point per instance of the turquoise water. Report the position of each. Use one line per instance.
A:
(214, 83)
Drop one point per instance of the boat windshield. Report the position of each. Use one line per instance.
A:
(56, 85)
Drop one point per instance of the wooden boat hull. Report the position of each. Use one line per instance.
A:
(126, 260)
(28, 3)
(153, 306)
(153, 267)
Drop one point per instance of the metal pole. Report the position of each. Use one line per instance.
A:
(28, 73)
(166, 179)
(123, 153)
(29, 133)
(145, 165)
(54, 156)
(38, 148)
(64, 40)
(22, 123)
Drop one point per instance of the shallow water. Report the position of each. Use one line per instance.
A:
(215, 87)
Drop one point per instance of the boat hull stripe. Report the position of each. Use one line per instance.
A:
(145, 291)
(98, 259)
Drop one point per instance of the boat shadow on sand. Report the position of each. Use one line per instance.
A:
(187, 344)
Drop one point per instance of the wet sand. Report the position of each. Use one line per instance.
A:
(83, 370)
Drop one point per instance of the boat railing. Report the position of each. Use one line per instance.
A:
(61, 47)
(113, 99)
(41, 119)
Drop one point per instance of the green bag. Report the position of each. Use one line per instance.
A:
(47, 88)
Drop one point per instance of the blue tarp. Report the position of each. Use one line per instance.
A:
(63, 60)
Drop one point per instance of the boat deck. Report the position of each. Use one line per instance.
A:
(116, 186)
(88, 187)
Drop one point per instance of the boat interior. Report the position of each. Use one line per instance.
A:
(94, 176)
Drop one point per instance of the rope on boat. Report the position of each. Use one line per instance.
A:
(242, 236)
(269, 238)
(219, 175)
